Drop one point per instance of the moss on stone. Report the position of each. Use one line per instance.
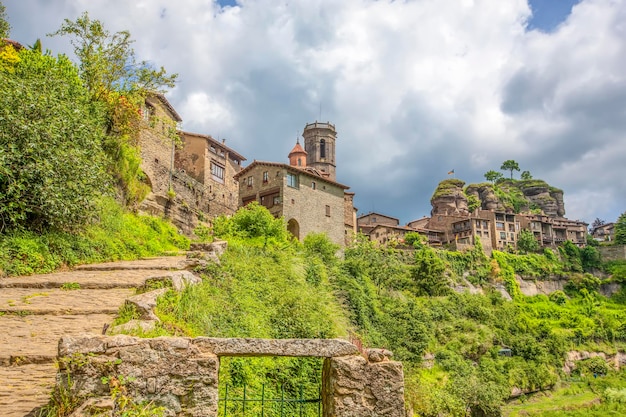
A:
(448, 187)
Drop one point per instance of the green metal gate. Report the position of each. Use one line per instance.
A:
(236, 403)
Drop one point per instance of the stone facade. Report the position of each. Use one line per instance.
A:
(182, 374)
(180, 168)
(349, 217)
(214, 165)
(307, 201)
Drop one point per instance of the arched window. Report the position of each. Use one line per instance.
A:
(299, 162)
(322, 148)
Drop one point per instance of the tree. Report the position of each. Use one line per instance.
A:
(113, 77)
(597, 223)
(5, 28)
(107, 62)
(473, 203)
(493, 176)
(526, 175)
(526, 242)
(510, 165)
(51, 163)
(428, 274)
(620, 229)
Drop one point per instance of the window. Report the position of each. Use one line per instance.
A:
(276, 200)
(250, 181)
(299, 162)
(503, 235)
(500, 225)
(217, 172)
(327, 211)
(292, 180)
(322, 148)
(266, 176)
(313, 185)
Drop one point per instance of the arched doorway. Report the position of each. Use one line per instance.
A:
(294, 228)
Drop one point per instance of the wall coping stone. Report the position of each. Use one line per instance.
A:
(322, 348)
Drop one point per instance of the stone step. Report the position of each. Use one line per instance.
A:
(86, 279)
(160, 263)
(24, 389)
(34, 339)
(55, 301)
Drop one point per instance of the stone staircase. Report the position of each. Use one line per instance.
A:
(35, 311)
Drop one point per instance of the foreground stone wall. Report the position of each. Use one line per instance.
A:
(181, 374)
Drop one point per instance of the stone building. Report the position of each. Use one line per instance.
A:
(604, 233)
(213, 165)
(190, 175)
(367, 222)
(304, 191)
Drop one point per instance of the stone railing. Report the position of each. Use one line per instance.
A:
(181, 374)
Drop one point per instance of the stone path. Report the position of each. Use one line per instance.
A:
(35, 311)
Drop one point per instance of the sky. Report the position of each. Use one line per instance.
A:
(415, 88)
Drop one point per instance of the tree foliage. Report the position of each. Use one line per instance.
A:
(527, 242)
(108, 62)
(620, 230)
(51, 163)
(493, 176)
(5, 28)
(526, 175)
(510, 165)
(113, 76)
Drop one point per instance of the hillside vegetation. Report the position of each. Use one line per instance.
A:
(451, 343)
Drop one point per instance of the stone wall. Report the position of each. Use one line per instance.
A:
(613, 252)
(181, 374)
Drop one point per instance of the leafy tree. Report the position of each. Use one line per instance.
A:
(526, 175)
(527, 242)
(590, 258)
(251, 221)
(5, 28)
(51, 164)
(108, 62)
(418, 241)
(113, 76)
(597, 223)
(620, 229)
(428, 274)
(473, 203)
(510, 165)
(493, 176)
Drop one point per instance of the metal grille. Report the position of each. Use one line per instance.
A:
(239, 402)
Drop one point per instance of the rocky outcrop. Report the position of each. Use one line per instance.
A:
(487, 196)
(523, 196)
(449, 199)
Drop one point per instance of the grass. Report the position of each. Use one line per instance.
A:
(116, 235)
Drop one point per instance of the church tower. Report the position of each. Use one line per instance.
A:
(319, 144)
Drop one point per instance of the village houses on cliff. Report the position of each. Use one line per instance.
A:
(194, 177)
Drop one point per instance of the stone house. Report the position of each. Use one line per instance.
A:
(213, 165)
(604, 233)
(304, 191)
(190, 175)
(385, 233)
(367, 222)
(467, 231)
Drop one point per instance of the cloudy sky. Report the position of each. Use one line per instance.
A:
(416, 88)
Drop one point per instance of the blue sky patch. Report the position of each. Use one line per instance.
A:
(548, 14)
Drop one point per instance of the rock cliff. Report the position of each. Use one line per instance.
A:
(449, 198)
(515, 196)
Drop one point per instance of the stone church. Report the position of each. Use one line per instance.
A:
(305, 191)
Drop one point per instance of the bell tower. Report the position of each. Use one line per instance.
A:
(319, 144)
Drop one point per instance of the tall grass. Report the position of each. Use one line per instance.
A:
(115, 235)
